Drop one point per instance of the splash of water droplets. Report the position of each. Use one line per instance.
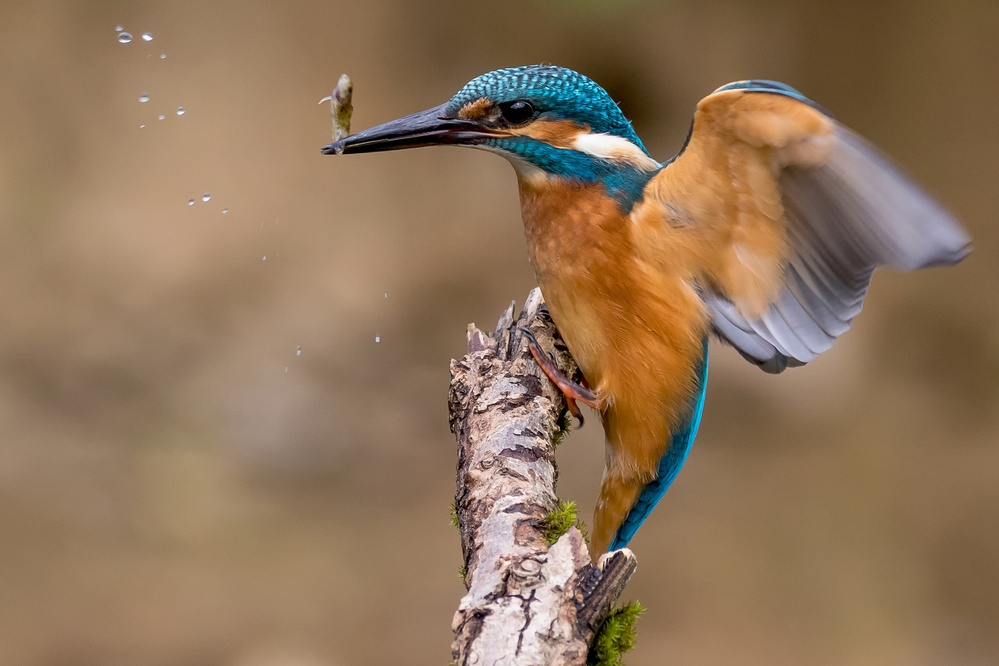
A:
(180, 111)
(206, 197)
(124, 37)
(225, 210)
(144, 97)
(147, 36)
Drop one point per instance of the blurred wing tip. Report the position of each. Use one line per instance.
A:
(954, 257)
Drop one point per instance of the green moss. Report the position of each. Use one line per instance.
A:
(561, 518)
(558, 521)
(563, 428)
(615, 637)
(463, 574)
(454, 514)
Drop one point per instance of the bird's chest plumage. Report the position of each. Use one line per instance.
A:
(635, 330)
(579, 246)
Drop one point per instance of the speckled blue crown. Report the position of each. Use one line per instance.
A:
(554, 91)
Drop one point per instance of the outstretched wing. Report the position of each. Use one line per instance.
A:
(792, 213)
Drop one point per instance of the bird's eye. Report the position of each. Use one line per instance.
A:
(516, 112)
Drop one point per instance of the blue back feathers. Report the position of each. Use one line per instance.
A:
(669, 464)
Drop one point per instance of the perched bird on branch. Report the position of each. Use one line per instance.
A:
(765, 229)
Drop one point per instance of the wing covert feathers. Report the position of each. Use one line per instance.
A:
(783, 215)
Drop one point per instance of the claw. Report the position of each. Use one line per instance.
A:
(570, 402)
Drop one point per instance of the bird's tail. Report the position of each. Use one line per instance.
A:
(617, 498)
(645, 499)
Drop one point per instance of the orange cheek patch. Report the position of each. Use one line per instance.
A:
(477, 109)
(557, 133)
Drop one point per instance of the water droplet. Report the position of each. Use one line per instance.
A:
(144, 97)
(162, 56)
(265, 258)
(119, 28)
(180, 111)
(298, 350)
(147, 36)
(386, 295)
(206, 196)
(162, 117)
(225, 210)
(286, 368)
(378, 338)
(124, 37)
(142, 125)
(191, 202)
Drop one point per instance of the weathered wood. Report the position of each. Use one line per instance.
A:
(528, 602)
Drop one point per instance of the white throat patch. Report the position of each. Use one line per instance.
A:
(614, 149)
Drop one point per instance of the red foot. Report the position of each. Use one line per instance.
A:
(570, 389)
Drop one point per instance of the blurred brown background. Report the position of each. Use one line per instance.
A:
(179, 487)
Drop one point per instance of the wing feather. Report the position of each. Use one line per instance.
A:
(845, 210)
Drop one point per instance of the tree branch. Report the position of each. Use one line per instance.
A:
(528, 602)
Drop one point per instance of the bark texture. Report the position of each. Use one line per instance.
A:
(528, 602)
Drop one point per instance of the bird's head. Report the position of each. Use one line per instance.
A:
(550, 122)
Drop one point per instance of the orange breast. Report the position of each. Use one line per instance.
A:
(635, 330)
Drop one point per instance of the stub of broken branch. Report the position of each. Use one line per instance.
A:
(528, 602)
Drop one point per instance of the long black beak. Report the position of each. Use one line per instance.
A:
(426, 128)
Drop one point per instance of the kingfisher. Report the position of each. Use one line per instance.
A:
(764, 231)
